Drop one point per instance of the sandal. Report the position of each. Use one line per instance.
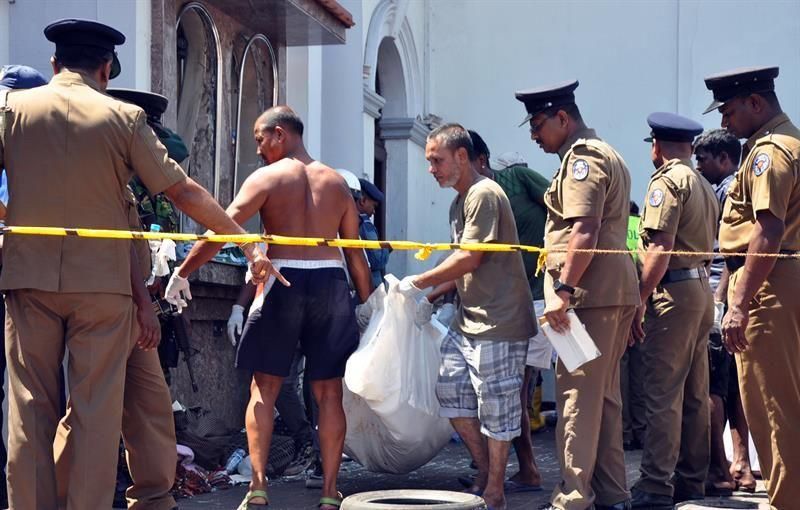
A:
(334, 502)
(251, 495)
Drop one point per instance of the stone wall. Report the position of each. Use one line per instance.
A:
(222, 389)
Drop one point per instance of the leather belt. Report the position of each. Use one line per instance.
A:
(679, 275)
(734, 262)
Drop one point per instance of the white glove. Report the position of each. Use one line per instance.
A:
(235, 323)
(719, 312)
(407, 288)
(363, 315)
(424, 312)
(178, 292)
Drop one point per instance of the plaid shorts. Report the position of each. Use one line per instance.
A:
(482, 379)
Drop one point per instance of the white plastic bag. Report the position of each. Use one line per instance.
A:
(540, 350)
(393, 422)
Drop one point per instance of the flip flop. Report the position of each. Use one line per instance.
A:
(334, 502)
(511, 487)
(246, 505)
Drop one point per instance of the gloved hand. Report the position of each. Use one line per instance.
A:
(363, 315)
(178, 292)
(424, 312)
(235, 323)
(407, 288)
(719, 312)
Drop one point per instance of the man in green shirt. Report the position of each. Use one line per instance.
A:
(631, 368)
(525, 191)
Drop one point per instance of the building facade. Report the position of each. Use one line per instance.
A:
(371, 77)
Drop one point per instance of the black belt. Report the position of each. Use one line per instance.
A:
(734, 262)
(679, 275)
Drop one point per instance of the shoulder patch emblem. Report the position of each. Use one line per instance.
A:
(761, 164)
(656, 198)
(580, 170)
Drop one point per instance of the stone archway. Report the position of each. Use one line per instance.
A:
(393, 102)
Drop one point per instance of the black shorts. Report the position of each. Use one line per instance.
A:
(316, 312)
(719, 367)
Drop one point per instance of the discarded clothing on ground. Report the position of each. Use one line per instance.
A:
(393, 422)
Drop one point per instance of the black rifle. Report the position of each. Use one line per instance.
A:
(175, 320)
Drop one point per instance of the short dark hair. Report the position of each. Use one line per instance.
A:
(478, 145)
(85, 58)
(634, 210)
(771, 98)
(284, 117)
(453, 137)
(717, 141)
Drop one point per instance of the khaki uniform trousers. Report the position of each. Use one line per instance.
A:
(769, 380)
(148, 429)
(589, 430)
(675, 354)
(96, 328)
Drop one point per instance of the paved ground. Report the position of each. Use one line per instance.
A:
(440, 473)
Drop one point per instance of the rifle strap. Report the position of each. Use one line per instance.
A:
(4, 110)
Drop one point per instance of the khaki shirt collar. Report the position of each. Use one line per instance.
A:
(671, 163)
(577, 135)
(766, 129)
(75, 78)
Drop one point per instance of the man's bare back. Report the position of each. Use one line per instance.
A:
(304, 200)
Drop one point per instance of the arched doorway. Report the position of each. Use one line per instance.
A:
(258, 91)
(199, 118)
(393, 102)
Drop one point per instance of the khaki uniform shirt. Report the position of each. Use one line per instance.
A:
(593, 181)
(767, 180)
(681, 202)
(69, 153)
(496, 301)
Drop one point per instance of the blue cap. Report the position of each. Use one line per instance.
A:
(671, 127)
(73, 32)
(20, 77)
(740, 82)
(540, 99)
(371, 190)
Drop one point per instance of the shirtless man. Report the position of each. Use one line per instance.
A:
(296, 196)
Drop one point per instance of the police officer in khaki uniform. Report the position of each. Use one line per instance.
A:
(762, 325)
(588, 203)
(680, 213)
(148, 427)
(69, 151)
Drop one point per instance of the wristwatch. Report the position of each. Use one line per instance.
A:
(558, 285)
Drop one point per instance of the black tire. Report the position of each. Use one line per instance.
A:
(728, 504)
(408, 499)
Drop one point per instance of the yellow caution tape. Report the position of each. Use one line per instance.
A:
(424, 250)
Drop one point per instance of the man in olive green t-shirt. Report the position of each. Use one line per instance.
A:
(525, 191)
(483, 355)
